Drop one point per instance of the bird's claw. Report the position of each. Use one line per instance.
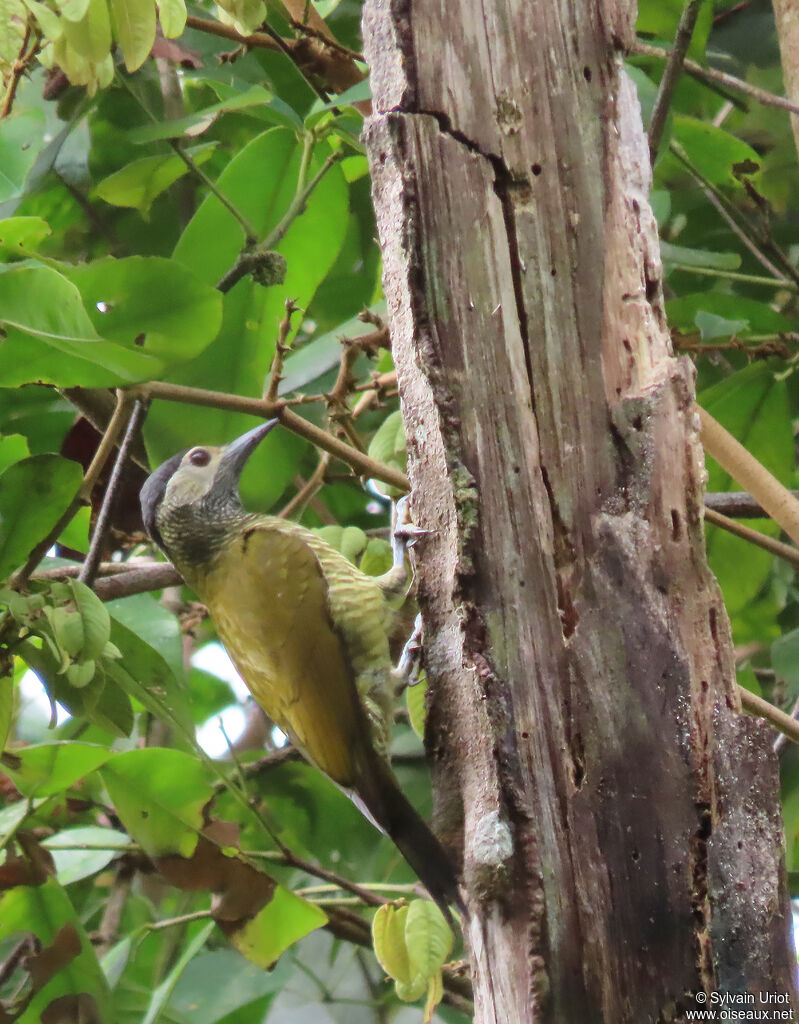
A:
(409, 666)
(404, 529)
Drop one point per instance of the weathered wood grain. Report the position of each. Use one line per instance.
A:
(589, 751)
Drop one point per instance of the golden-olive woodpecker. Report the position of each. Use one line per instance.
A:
(306, 629)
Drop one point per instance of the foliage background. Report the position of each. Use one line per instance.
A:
(114, 246)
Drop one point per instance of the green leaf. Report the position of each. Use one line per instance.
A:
(6, 708)
(139, 183)
(377, 558)
(13, 448)
(712, 326)
(34, 493)
(48, 768)
(261, 181)
(388, 446)
(155, 626)
(90, 37)
(680, 254)
(22, 233)
(21, 140)
(159, 795)
(428, 938)
(161, 995)
(51, 339)
(172, 15)
(715, 153)
(760, 318)
(200, 120)
(785, 661)
(284, 920)
(144, 672)
(150, 304)
(659, 18)
(216, 983)
(100, 847)
(47, 911)
(134, 29)
(388, 938)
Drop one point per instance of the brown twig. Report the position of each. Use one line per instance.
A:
(737, 504)
(781, 721)
(361, 463)
(19, 67)
(762, 96)
(92, 561)
(281, 348)
(671, 73)
(326, 39)
(754, 348)
(216, 28)
(751, 474)
(308, 489)
(775, 547)
(83, 496)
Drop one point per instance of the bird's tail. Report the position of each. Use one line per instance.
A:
(390, 809)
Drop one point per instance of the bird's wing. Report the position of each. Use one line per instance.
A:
(272, 611)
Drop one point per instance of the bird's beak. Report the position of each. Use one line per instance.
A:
(235, 456)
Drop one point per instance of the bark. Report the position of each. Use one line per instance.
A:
(621, 837)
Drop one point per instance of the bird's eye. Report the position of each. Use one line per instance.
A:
(200, 457)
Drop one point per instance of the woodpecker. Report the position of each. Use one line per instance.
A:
(307, 630)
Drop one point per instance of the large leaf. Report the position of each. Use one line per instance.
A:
(134, 29)
(20, 142)
(716, 154)
(51, 339)
(151, 303)
(145, 674)
(159, 795)
(260, 181)
(71, 968)
(34, 493)
(82, 852)
(48, 768)
(139, 183)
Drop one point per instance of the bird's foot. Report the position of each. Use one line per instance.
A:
(404, 531)
(409, 666)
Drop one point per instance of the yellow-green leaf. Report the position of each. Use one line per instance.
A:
(172, 15)
(388, 938)
(134, 29)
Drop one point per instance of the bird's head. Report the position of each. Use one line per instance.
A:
(191, 497)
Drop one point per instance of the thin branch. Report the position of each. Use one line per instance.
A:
(731, 275)
(171, 922)
(671, 74)
(767, 99)
(308, 489)
(83, 496)
(775, 547)
(737, 504)
(155, 576)
(266, 266)
(297, 204)
(751, 474)
(765, 242)
(361, 463)
(761, 346)
(249, 231)
(281, 348)
(92, 561)
(782, 739)
(19, 67)
(782, 722)
(216, 28)
(326, 40)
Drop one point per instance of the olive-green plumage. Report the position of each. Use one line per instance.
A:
(306, 629)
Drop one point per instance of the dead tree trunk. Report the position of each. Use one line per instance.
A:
(622, 838)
